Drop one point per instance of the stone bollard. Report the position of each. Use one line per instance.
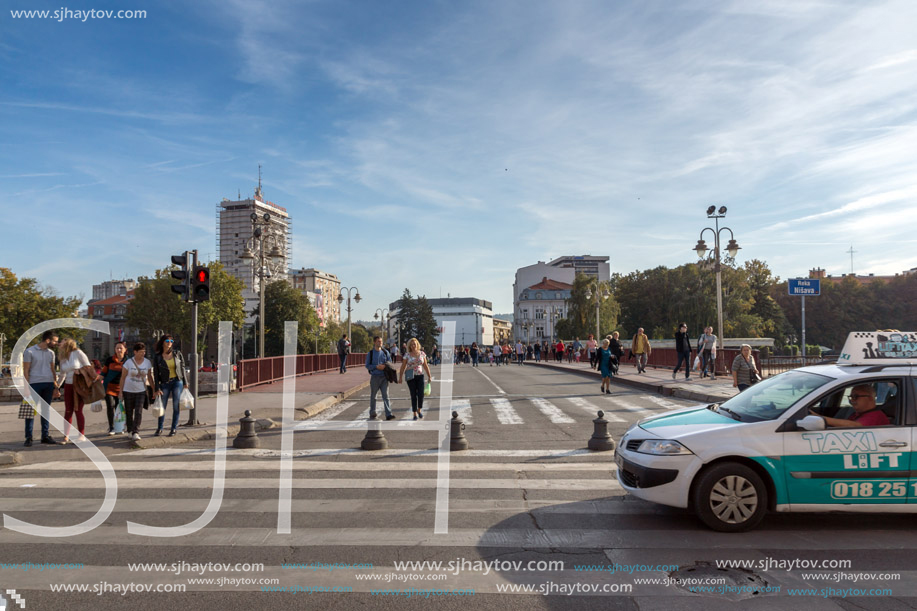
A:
(374, 439)
(601, 441)
(247, 437)
(457, 440)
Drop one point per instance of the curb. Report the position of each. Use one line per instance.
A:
(681, 393)
(9, 458)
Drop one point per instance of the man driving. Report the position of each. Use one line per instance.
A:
(863, 400)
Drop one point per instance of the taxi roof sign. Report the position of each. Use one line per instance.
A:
(879, 348)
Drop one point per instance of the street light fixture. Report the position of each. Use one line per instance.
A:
(554, 315)
(382, 311)
(341, 299)
(601, 294)
(2, 339)
(263, 233)
(732, 249)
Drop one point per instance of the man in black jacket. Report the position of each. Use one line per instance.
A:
(683, 350)
(343, 351)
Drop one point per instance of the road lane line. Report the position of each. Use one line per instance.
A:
(505, 412)
(592, 409)
(551, 411)
(486, 377)
(629, 406)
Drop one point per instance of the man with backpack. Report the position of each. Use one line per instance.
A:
(376, 364)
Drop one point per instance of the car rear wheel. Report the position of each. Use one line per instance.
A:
(730, 497)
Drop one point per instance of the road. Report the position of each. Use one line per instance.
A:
(525, 492)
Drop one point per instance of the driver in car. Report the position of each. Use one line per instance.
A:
(863, 400)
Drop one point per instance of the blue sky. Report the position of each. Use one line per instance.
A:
(462, 140)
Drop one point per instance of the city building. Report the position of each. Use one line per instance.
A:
(240, 250)
(595, 267)
(112, 310)
(111, 288)
(539, 308)
(503, 331)
(322, 290)
(474, 319)
(820, 273)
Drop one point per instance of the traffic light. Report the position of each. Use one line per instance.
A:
(183, 289)
(200, 284)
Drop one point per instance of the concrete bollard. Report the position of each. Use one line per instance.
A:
(247, 437)
(457, 440)
(601, 441)
(374, 439)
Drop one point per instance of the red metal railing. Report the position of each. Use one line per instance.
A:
(667, 358)
(253, 372)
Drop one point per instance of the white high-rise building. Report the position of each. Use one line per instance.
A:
(240, 249)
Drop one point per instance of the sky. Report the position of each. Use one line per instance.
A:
(439, 146)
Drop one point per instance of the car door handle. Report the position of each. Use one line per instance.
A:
(892, 444)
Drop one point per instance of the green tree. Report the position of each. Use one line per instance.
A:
(580, 320)
(416, 318)
(361, 340)
(284, 303)
(225, 303)
(24, 303)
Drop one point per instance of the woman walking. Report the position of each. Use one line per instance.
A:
(743, 369)
(606, 359)
(136, 375)
(474, 354)
(72, 360)
(169, 373)
(112, 373)
(415, 363)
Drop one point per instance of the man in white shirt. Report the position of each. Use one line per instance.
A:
(520, 352)
(38, 371)
(498, 353)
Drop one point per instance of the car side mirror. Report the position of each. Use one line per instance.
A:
(811, 423)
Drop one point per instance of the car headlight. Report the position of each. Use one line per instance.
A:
(663, 447)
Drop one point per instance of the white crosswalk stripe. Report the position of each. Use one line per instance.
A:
(551, 411)
(505, 412)
(621, 403)
(593, 409)
(463, 407)
(663, 402)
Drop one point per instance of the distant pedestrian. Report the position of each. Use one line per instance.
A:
(529, 352)
(537, 351)
(614, 344)
(640, 347)
(559, 352)
(506, 353)
(744, 370)
(169, 376)
(520, 352)
(434, 354)
(682, 350)
(591, 349)
(136, 376)
(474, 354)
(112, 381)
(38, 371)
(497, 354)
(375, 364)
(413, 367)
(343, 351)
(706, 344)
(72, 362)
(607, 363)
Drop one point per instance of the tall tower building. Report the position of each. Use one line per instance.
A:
(241, 249)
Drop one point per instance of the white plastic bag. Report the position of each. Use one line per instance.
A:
(120, 418)
(186, 401)
(157, 410)
(696, 363)
(97, 406)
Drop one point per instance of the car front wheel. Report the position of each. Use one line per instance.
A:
(730, 497)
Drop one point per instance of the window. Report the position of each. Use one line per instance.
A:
(557, 296)
(840, 403)
(539, 331)
(768, 399)
(538, 295)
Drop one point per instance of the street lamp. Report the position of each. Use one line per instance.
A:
(2, 339)
(262, 232)
(601, 294)
(341, 299)
(382, 311)
(732, 249)
(554, 315)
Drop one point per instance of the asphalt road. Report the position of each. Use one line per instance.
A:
(525, 492)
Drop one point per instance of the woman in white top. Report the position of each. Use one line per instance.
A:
(415, 362)
(71, 360)
(136, 375)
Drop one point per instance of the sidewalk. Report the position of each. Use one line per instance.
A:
(703, 390)
(314, 393)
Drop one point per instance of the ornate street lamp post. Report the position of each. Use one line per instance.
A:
(262, 233)
(732, 249)
(341, 299)
(383, 312)
(601, 294)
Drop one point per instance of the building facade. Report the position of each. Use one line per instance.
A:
(474, 319)
(111, 288)
(594, 267)
(539, 308)
(241, 251)
(503, 331)
(112, 310)
(322, 289)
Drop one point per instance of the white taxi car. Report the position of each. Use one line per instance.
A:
(789, 443)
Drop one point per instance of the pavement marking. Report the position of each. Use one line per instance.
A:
(505, 412)
(552, 411)
(592, 409)
(629, 406)
(486, 377)
(330, 413)
(663, 403)
(463, 407)
(599, 485)
(315, 465)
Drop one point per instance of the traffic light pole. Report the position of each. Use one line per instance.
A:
(192, 416)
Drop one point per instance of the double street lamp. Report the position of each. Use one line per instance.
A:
(382, 311)
(341, 300)
(601, 294)
(262, 235)
(554, 315)
(732, 249)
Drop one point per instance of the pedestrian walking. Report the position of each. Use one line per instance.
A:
(38, 371)
(343, 351)
(614, 344)
(112, 381)
(520, 352)
(497, 354)
(474, 354)
(591, 349)
(136, 376)
(640, 347)
(375, 363)
(559, 352)
(170, 379)
(72, 361)
(706, 344)
(682, 350)
(607, 364)
(537, 351)
(506, 353)
(744, 370)
(413, 367)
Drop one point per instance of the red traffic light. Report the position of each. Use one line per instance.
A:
(202, 275)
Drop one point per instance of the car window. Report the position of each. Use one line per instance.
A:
(839, 404)
(769, 399)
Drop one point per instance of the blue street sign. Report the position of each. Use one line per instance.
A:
(804, 286)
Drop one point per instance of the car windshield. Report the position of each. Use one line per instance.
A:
(768, 399)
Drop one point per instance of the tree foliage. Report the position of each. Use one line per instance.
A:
(24, 303)
(580, 320)
(416, 318)
(284, 303)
